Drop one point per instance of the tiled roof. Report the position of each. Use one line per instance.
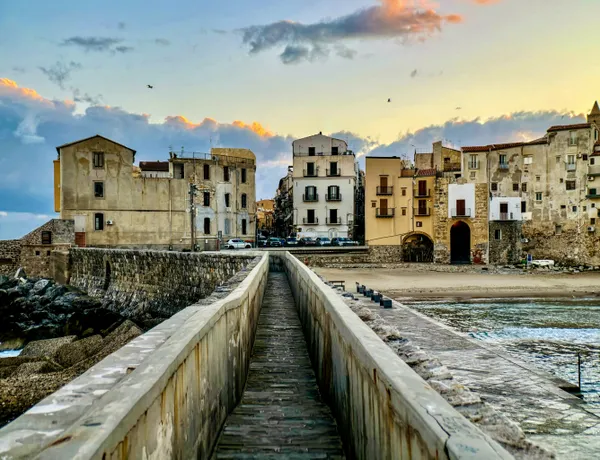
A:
(476, 148)
(426, 172)
(541, 140)
(510, 145)
(569, 127)
(154, 166)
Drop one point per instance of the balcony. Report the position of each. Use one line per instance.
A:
(334, 197)
(336, 221)
(386, 212)
(452, 167)
(423, 193)
(503, 166)
(593, 195)
(385, 191)
(473, 164)
(310, 198)
(310, 220)
(333, 173)
(466, 212)
(311, 173)
(506, 216)
(571, 166)
(422, 212)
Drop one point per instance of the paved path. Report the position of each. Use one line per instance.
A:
(281, 413)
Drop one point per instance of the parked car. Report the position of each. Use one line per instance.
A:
(307, 241)
(237, 244)
(343, 242)
(323, 241)
(282, 241)
(274, 243)
(262, 241)
(291, 242)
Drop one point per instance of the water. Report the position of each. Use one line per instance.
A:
(10, 353)
(547, 334)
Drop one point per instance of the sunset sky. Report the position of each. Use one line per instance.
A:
(259, 74)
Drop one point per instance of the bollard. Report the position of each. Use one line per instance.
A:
(387, 303)
(358, 288)
(368, 293)
(376, 297)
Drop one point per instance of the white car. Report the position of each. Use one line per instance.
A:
(237, 244)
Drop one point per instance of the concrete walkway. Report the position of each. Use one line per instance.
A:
(281, 413)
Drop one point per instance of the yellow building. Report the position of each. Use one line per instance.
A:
(398, 207)
(116, 204)
(264, 215)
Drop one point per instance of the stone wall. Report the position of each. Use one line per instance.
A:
(508, 248)
(151, 284)
(60, 262)
(376, 255)
(10, 251)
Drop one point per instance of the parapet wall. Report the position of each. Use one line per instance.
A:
(383, 408)
(151, 284)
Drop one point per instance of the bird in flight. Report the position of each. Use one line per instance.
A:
(390, 100)
(150, 86)
(459, 108)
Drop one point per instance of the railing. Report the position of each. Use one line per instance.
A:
(337, 221)
(310, 198)
(593, 195)
(334, 197)
(423, 193)
(385, 190)
(506, 216)
(422, 212)
(452, 167)
(466, 212)
(386, 212)
(309, 221)
(333, 172)
(473, 164)
(502, 165)
(571, 166)
(313, 173)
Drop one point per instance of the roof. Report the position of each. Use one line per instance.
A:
(595, 109)
(162, 166)
(407, 173)
(238, 153)
(426, 172)
(569, 127)
(510, 145)
(320, 134)
(90, 138)
(476, 148)
(541, 140)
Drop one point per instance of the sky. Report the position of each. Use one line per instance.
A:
(260, 74)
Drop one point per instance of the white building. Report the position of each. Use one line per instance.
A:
(325, 175)
(503, 208)
(461, 200)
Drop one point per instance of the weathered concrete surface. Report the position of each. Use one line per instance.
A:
(165, 394)
(281, 411)
(383, 408)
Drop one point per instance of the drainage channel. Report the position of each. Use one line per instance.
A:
(281, 413)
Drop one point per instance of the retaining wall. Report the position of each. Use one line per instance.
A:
(383, 408)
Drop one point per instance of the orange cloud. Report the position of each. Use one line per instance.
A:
(11, 86)
(255, 127)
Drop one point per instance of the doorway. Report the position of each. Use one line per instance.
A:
(460, 243)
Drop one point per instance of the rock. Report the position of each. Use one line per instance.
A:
(71, 353)
(46, 348)
(16, 360)
(20, 274)
(40, 287)
(11, 344)
(36, 367)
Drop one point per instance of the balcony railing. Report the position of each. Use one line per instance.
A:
(571, 166)
(333, 172)
(448, 167)
(336, 221)
(386, 212)
(310, 221)
(466, 212)
(593, 195)
(423, 212)
(334, 197)
(423, 193)
(385, 190)
(473, 164)
(311, 173)
(507, 216)
(310, 198)
(503, 166)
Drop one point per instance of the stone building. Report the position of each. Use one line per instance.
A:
(264, 215)
(283, 212)
(446, 160)
(115, 204)
(325, 175)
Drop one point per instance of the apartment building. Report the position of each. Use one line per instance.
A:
(113, 203)
(283, 212)
(325, 175)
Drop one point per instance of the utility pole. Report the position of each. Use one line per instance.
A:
(193, 191)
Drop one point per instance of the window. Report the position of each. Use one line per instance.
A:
(473, 161)
(419, 224)
(538, 178)
(244, 201)
(593, 221)
(227, 230)
(98, 159)
(373, 204)
(557, 160)
(334, 150)
(538, 196)
(244, 175)
(206, 169)
(227, 200)
(47, 253)
(561, 180)
(333, 169)
(244, 227)
(523, 206)
(563, 206)
(333, 192)
(403, 211)
(527, 160)
(311, 151)
(503, 159)
(403, 191)
(473, 174)
(585, 208)
(584, 157)
(98, 221)
(592, 192)
(571, 159)
(207, 225)
(592, 161)
(447, 160)
(310, 169)
(226, 173)
(333, 216)
(37, 253)
(574, 208)
(557, 229)
(570, 184)
(206, 199)
(503, 208)
(310, 193)
(572, 138)
(494, 186)
(498, 234)
(99, 189)
(46, 237)
(515, 187)
(524, 187)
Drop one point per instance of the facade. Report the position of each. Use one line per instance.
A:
(283, 213)
(325, 176)
(115, 204)
(264, 216)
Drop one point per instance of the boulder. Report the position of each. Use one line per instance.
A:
(74, 352)
(40, 287)
(36, 367)
(20, 274)
(46, 348)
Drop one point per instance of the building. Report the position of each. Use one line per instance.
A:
(446, 160)
(264, 216)
(283, 213)
(325, 175)
(358, 229)
(115, 204)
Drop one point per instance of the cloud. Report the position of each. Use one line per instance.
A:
(3, 214)
(162, 42)
(19, 69)
(14, 225)
(60, 72)
(219, 31)
(121, 26)
(97, 44)
(392, 19)
(86, 98)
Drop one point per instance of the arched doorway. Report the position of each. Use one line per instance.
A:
(460, 243)
(417, 248)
